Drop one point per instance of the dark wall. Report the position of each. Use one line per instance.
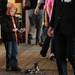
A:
(3, 7)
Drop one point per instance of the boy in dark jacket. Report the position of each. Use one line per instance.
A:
(9, 36)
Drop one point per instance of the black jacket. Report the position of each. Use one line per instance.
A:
(6, 29)
(63, 17)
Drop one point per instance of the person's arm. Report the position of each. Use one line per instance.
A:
(46, 20)
(39, 2)
(52, 24)
(53, 16)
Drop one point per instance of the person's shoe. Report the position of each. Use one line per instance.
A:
(43, 54)
(16, 69)
(52, 56)
(36, 43)
(8, 69)
(40, 44)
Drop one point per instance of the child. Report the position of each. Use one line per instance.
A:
(9, 36)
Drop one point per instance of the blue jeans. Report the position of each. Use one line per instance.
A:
(11, 53)
(36, 20)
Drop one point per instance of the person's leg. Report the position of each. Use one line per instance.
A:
(38, 23)
(8, 54)
(71, 52)
(52, 56)
(60, 54)
(32, 24)
(45, 46)
(27, 26)
(37, 28)
(52, 46)
(14, 62)
(43, 34)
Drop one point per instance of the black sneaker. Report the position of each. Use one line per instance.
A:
(40, 44)
(42, 53)
(8, 69)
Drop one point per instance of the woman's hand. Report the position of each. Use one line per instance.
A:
(36, 10)
(50, 32)
(15, 29)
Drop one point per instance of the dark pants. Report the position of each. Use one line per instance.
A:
(64, 48)
(11, 54)
(45, 46)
